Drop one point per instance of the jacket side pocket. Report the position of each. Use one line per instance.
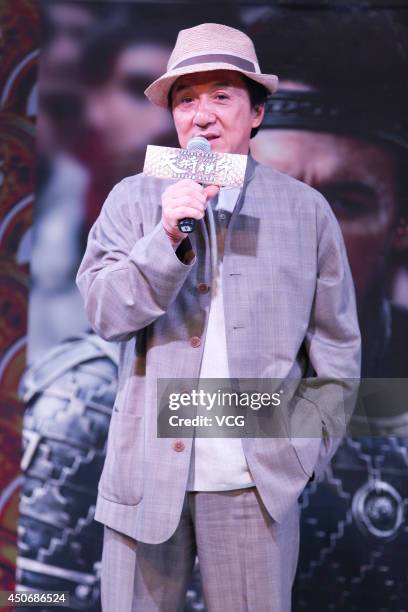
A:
(306, 430)
(122, 475)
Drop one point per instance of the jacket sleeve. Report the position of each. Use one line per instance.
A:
(128, 278)
(333, 340)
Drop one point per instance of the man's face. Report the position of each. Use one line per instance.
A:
(118, 110)
(358, 180)
(215, 105)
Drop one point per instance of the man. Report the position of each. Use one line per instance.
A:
(339, 123)
(290, 305)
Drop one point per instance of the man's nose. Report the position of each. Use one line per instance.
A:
(204, 114)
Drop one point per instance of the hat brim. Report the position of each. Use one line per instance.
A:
(158, 91)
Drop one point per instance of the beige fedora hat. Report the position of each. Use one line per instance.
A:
(210, 46)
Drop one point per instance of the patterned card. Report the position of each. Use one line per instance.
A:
(224, 169)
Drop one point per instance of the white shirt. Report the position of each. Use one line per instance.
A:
(218, 464)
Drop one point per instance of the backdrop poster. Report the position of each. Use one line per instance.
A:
(338, 122)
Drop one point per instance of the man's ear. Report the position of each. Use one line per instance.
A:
(258, 115)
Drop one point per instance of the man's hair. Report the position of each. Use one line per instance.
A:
(258, 95)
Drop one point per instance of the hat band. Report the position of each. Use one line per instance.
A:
(215, 58)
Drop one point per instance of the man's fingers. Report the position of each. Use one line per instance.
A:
(182, 212)
(183, 187)
(183, 191)
(188, 183)
(185, 200)
(211, 190)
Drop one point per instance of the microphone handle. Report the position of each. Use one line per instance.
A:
(187, 225)
(199, 143)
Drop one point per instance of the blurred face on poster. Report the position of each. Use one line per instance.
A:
(118, 110)
(65, 28)
(357, 177)
(59, 121)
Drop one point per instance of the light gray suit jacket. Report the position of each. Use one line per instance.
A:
(289, 301)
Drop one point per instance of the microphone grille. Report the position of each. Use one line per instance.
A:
(199, 143)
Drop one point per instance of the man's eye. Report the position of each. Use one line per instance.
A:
(221, 96)
(186, 100)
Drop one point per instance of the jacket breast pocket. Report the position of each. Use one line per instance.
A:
(122, 475)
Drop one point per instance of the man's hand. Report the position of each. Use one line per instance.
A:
(183, 199)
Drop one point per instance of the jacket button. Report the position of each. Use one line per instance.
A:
(202, 288)
(179, 446)
(195, 341)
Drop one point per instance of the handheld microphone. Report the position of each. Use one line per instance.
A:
(199, 143)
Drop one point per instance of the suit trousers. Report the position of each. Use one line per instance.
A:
(247, 560)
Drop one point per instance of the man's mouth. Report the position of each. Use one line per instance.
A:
(209, 137)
